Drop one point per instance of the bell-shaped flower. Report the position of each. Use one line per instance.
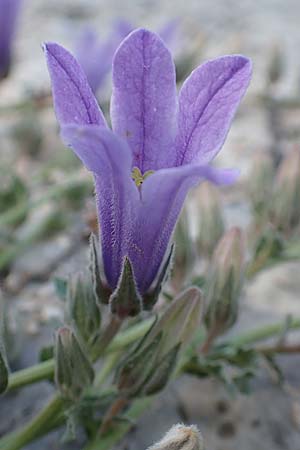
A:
(160, 146)
(8, 17)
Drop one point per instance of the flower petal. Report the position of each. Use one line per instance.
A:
(9, 10)
(109, 158)
(162, 197)
(144, 100)
(169, 33)
(74, 101)
(95, 55)
(207, 103)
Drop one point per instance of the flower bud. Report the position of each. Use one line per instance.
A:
(286, 212)
(184, 256)
(73, 370)
(268, 246)
(225, 281)
(180, 437)
(149, 366)
(83, 310)
(211, 218)
(260, 185)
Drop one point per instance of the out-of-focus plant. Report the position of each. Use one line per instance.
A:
(9, 10)
(285, 211)
(274, 194)
(13, 192)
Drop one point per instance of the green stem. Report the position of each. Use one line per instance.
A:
(262, 333)
(35, 428)
(108, 364)
(30, 375)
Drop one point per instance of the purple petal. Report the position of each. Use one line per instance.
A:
(144, 101)
(95, 56)
(74, 101)
(207, 103)
(109, 158)
(122, 27)
(162, 197)
(9, 10)
(169, 33)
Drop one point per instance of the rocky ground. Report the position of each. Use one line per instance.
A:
(267, 31)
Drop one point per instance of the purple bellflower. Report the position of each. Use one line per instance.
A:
(160, 145)
(95, 56)
(8, 17)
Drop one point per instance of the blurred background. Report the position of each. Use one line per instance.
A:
(47, 209)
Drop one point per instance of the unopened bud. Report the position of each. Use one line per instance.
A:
(225, 281)
(180, 437)
(125, 300)
(73, 370)
(83, 310)
(148, 368)
(286, 212)
(267, 247)
(184, 248)
(211, 218)
(260, 185)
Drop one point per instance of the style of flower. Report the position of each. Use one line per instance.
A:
(8, 17)
(95, 55)
(159, 147)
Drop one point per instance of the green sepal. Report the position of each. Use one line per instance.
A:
(82, 307)
(125, 300)
(150, 298)
(102, 292)
(133, 374)
(73, 370)
(161, 373)
(149, 365)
